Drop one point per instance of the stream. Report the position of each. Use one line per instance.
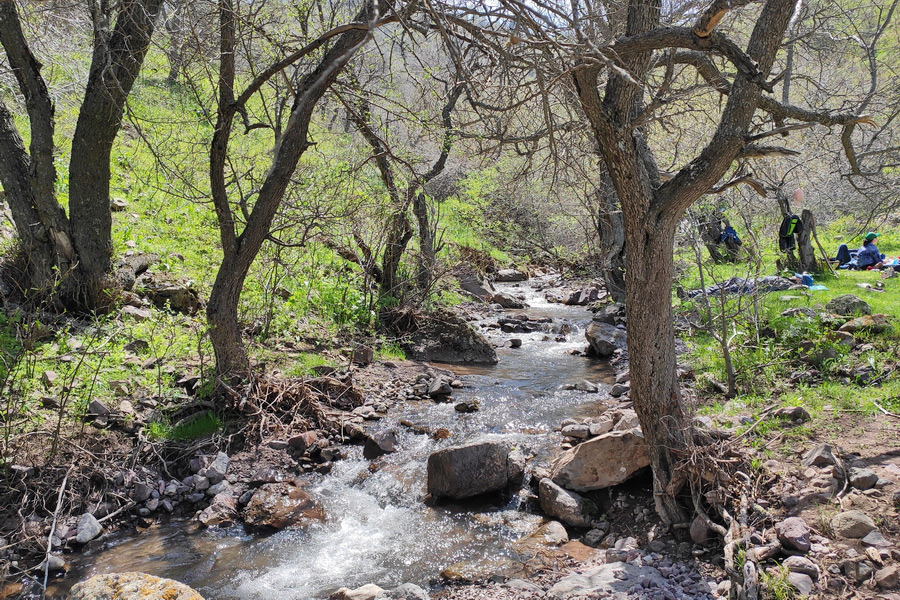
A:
(378, 529)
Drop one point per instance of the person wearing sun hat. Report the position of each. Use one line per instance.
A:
(868, 256)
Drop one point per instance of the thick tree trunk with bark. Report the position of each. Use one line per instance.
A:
(70, 258)
(651, 350)
(427, 251)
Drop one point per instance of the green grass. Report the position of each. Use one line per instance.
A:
(198, 426)
(305, 363)
(390, 351)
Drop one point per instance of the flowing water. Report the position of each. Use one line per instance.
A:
(378, 528)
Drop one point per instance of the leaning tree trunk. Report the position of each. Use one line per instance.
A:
(222, 315)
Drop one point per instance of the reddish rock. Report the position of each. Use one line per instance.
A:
(280, 505)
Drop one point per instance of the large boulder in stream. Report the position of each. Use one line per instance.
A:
(446, 338)
(473, 469)
(510, 275)
(472, 284)
(131, 586)
(605, 338)
(280, 505)
(601, 462)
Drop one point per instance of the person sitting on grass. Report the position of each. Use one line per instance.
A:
(868, 257)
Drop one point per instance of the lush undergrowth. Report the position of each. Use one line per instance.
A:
(789, 359)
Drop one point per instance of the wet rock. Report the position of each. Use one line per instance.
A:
(582, 297)
(848, 305)
(380, 443)
(370, 591)
(872, 323)
(439, 387)
(222, 510)
(131, 586)
(862, 479)
(54, 563)
(510, 276)
(303, 441)
(281, 505)
(88, 528)
(820, 456)
(467, 406)
(515, 343)
(216, 470)
(605, 338)
(601, 462)
(507, 301)
(801, 564)
(852, 524)
(470, 470)
(586, 386)
(619, 390)
(568, 507)
(448, 338)
(405, 591)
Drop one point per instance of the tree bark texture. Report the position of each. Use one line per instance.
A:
(652, 209)
(611, 236)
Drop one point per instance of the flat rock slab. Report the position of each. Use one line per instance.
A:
(470, 470)
(613, 580)
(131, 586)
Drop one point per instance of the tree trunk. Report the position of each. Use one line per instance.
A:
(115, 65)
(224, 328)
(805, 249)
(651, 348)
(611, 236)
(427, 252)
(398, 236)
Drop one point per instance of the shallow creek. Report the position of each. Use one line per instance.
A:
(378, 528)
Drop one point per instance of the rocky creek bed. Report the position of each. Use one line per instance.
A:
(371, 505)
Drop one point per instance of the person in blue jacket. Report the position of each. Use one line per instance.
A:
(868, 256)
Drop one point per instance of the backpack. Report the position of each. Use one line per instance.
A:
(730, 237)
(791, 225)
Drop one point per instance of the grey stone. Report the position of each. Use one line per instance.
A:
(820, 456)
(798, 414)
(586, 386)
(404, 591)
(793, 532)
(875, 539)
(862, 479)
(699, 530)
(848, 305)
(578, 430)
(88, 528)
(380, 443)
(613, 579)
(619, 389)
(140, 492)
(370, 591)
(568, 507)
(439, 386)
(801, 582)
(801, 564)
(510, 275)
(216, 470)
(605, 338)
(507, 301)
(852, 524)
(472, 469)
(219, 488)
(521, 585)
